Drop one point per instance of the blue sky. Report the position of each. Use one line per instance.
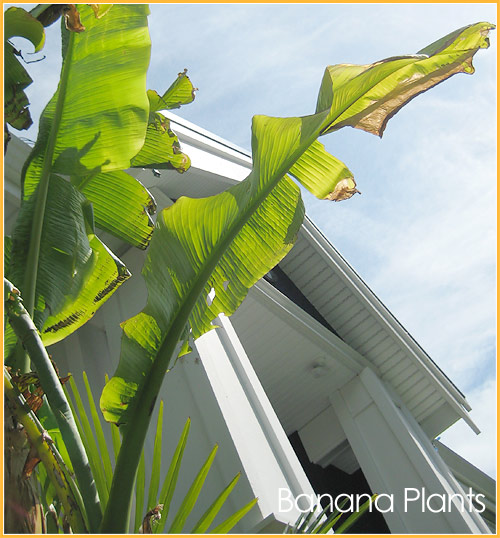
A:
(423, 233)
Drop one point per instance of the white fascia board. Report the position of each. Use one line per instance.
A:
(215, 163)
(356, 284)
(194, 137)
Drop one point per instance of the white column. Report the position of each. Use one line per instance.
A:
(267, 457)
(395, 455)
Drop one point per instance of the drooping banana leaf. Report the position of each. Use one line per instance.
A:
(226, 242)
(323, 174)
(180, 92)
(122, 206)
(18, 22)
(161, 148)
(95, 124)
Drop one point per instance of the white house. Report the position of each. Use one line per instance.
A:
(312, 386)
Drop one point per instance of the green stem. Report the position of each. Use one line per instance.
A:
(28, 334)
(55, 472)
(117, 513)
(33, 257)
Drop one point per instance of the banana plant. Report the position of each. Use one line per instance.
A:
(225, 243)
(95, 126)
(79, 454)
(100, 122)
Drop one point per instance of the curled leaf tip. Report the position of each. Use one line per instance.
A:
(344, 189)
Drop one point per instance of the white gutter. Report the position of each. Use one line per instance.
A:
(452, 395)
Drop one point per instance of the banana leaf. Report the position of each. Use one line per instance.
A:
(100, 124)
(122, 206)
(94, 125)
(225, 243)
(76, 273)
(161, 148)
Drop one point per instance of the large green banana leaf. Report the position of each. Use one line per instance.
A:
(93, 127)
(225, 243)
(228, 241)
(103, 118)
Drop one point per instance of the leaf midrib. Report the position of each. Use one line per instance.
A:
(33, 257)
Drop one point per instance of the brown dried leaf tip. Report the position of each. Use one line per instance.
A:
(72, 19)
(151, 517)
(344, 189)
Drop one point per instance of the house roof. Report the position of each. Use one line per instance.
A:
(291, 341)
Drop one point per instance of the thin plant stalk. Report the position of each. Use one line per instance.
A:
(27, 333)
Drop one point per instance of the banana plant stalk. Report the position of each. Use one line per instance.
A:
(28, 334)
(53, 467)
